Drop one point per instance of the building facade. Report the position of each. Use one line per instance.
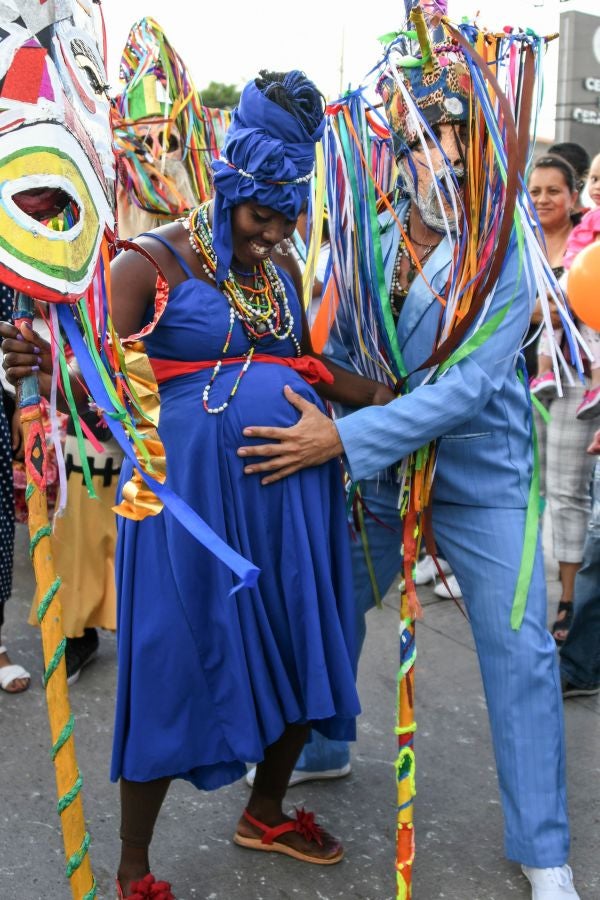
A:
(578, 86)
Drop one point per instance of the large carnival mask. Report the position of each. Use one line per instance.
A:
(153, 182)
(164, 137)
(56, 160)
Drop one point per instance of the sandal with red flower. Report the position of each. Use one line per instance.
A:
(304, 826)
(148, 888)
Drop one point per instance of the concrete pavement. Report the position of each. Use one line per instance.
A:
(458, 816)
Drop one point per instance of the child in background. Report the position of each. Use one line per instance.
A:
(544, 384)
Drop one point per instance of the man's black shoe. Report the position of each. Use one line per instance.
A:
(79, 652)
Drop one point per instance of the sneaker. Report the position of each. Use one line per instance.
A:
(544, 386)
(300, 775)
(440, 590)
(590, 405)
(79, 652)
(426, 570)
(572, 690)
(551, 884)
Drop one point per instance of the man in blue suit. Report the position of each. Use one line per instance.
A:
(478, 413)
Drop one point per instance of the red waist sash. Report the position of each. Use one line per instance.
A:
(311, 369)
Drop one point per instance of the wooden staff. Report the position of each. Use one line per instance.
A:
(68, 777)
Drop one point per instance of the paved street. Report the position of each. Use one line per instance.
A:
(458, 816)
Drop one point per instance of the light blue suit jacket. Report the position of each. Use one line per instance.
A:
(478, 409)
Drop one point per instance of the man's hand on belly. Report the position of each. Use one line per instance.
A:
(313, 440)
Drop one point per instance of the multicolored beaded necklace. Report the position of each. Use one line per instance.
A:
(262, 310)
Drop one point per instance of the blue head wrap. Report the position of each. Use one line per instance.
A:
(267, 157)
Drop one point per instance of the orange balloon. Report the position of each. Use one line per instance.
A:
(583, 286)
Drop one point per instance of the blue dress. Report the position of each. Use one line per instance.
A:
(206, 681)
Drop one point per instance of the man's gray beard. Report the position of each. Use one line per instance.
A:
(428, 206)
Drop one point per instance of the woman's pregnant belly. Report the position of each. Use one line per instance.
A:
(258, 400)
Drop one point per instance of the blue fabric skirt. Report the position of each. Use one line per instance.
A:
(208, 680)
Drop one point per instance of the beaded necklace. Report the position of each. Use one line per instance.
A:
(398, 292)
(262, 310)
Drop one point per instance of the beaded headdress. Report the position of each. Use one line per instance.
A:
(267, 157)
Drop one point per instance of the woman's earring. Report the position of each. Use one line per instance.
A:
(284, 247)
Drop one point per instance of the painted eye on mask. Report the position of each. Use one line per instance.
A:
(171, 145)
(89, 66)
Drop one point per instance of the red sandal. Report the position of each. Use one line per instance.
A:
(303, 824)
(148, 888)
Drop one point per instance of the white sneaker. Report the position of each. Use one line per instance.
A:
(440, 590)
(551, 884)
(300, 775)
(426, 569)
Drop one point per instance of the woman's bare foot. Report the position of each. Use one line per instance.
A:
(133, 866)
(125, 881)
(306, 840)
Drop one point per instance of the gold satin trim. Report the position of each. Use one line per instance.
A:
(138, 500)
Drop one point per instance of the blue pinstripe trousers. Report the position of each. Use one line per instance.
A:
(519, 668)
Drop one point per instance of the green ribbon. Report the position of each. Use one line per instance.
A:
(532, 517)
(373, 225)
(476, 339)
(368, 558)
(392, 35)
(421, 457)
(530, 538)
(382, 291)
(118, 411)
(544, 413)
(66, 380)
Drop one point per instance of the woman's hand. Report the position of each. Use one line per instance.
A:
(313, 440)
(383, 395)
(25, 352)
